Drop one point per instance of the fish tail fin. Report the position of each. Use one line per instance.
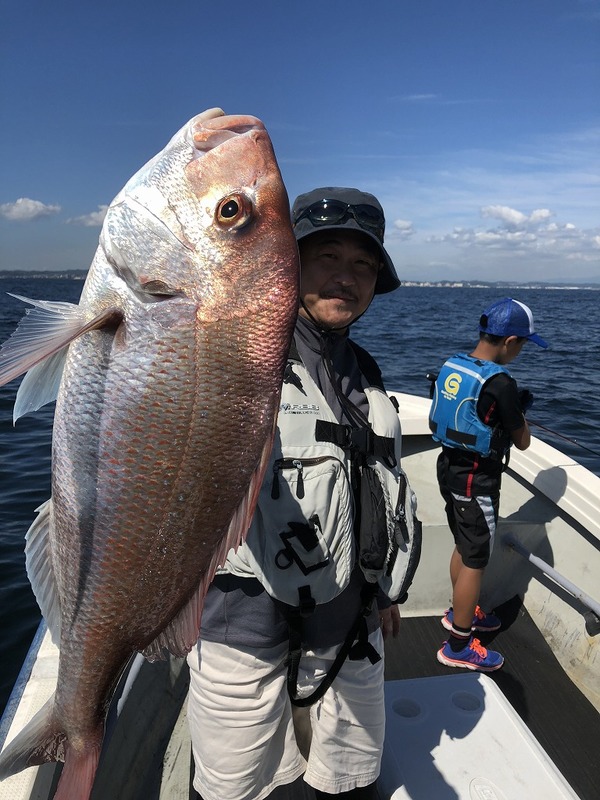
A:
(77, 778)
(40, 741)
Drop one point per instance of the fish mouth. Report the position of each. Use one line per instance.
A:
(213, 127)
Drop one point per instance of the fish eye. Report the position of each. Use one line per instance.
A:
(233, 211)
(230, 209)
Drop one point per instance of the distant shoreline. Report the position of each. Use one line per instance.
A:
(67, 274)
(81, 274)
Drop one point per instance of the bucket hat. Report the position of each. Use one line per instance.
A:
(332, 207)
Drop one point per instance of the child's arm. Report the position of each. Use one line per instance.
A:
(521, 437)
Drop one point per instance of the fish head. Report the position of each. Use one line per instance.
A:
(207, 219)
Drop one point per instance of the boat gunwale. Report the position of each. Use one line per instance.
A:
(578, 497)
(16, 695)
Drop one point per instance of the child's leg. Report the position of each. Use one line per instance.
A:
(466, 586)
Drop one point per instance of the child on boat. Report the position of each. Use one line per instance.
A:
(477, 413)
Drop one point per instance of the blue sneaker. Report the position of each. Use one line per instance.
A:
(474, 656)
(481, 621)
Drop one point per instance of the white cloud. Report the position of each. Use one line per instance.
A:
(404, 228)
(92, 220)
(516, 219)
(540, 215)
(24, 210)
(416, 98)
(527, 235)
(528, 211)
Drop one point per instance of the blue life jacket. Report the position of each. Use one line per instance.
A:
(453, 418)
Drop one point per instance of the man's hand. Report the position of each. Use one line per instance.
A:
(390, 621)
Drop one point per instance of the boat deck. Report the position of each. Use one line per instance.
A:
(563, 721)
(151, 749)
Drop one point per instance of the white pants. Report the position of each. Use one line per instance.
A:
(242, 730)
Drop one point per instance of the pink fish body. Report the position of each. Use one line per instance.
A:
(164, 418)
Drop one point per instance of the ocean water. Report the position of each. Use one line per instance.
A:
(410, 332)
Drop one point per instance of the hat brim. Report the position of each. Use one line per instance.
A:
(387, 280)
(533, 337)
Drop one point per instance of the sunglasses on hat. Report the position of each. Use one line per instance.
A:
(332, 212)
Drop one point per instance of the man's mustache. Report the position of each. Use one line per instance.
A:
(339, 294)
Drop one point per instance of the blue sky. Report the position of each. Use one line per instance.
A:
(475, 122)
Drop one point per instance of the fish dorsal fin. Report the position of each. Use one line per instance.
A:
(181, 634)
(40, 569)
(45, 330)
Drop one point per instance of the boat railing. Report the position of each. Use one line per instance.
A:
(592, 624)
(538, 465)
(19, 687)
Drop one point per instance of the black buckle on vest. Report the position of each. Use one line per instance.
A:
(306, 604)
(363, 440)
(357, 440)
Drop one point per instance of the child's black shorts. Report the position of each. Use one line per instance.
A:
(472, 521)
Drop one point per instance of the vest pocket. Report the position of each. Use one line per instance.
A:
(303, 531)
(373, 531)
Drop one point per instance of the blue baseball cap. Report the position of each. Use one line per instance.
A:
(508, 317)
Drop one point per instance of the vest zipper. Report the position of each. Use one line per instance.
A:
(400, 513)
(298, 464)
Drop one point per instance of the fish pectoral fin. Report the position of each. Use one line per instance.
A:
(43, 332)
(40, 385)
(40, 568)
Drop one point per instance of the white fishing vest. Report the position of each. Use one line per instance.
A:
(302, 540)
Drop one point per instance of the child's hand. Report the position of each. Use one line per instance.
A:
(525, 399)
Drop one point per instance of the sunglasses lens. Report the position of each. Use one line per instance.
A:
(327, 211)
(330, 212)
(369, 215)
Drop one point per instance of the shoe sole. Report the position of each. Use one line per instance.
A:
(448, 662)
(481, 629)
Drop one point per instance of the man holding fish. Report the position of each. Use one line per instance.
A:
(169, 376)
(297, 614)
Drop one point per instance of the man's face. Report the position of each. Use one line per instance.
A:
(337, 277)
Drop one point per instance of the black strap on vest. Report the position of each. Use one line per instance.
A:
(356, 645)
(359, 440)
(460, 437)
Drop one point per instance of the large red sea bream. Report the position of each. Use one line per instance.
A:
(171, 369)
